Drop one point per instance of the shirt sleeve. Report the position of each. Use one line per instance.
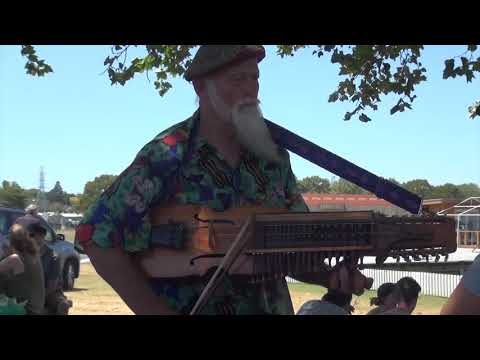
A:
(119, 218)
(471, 278)
(294, 198)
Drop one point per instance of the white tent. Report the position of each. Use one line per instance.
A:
(467, 216)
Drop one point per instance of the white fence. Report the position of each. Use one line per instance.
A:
(432, 283)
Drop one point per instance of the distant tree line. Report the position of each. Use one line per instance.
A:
(421, 187)
(13, 195)
(57, 200)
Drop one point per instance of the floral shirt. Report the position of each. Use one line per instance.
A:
(179, 167)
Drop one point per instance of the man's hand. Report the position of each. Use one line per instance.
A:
(348, 279)
(12, 264)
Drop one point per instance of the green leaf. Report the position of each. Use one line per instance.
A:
(333, 97)
(27, 50)
(364, 118)
(472, 48)
(469, 75)
(476, 65)
(448, 71)
(394, 109)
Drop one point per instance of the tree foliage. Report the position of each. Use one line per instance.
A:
(12, 195)
(421, 187)
(57, 195)
(314, 184)
(370, 72)
(342, 186)
(34, 65)
(93, 189)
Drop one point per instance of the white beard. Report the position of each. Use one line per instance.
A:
(251, 130)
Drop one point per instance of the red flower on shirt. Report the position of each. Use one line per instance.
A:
(174, 138)
(84, 234)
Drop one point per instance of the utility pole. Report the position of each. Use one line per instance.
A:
(41, 197)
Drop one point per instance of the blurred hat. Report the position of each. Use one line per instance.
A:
(321, 307)
(32, 224)
(210, 58)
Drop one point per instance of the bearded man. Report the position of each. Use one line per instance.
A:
(221, 158)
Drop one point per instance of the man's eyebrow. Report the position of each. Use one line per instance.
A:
(243, 72)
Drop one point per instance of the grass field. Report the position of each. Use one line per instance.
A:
(69, 234)
(93, 296)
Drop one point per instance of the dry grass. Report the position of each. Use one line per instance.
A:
(93, 296)
(69, 234)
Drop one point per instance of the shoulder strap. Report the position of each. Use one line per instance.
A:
(329, 161)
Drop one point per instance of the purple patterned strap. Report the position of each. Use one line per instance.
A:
(382, 188)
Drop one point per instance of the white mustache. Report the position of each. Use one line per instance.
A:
(248, 102)
(252, 131)
(247, 118)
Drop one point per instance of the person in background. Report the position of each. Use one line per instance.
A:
(465, 299)
(23, 278)
(332, 303)
(405, 295)
(32, 210)
(384, 300)
(56, 303)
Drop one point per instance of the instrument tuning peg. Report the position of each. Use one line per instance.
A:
(437, 258)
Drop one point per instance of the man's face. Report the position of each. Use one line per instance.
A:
(233, 96)
(39, 238)
(238, 83)
(389, 301)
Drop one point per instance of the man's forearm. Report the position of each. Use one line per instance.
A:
(117, 269)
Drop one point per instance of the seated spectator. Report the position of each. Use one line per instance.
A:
(56, 303)
(332, 303)
(405, 295)
(24, 279)
(384, 300)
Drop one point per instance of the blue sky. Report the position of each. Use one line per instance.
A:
(77, 126)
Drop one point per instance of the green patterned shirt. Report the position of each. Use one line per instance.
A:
(179, 167)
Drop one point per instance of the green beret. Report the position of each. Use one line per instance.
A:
(210, 58)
